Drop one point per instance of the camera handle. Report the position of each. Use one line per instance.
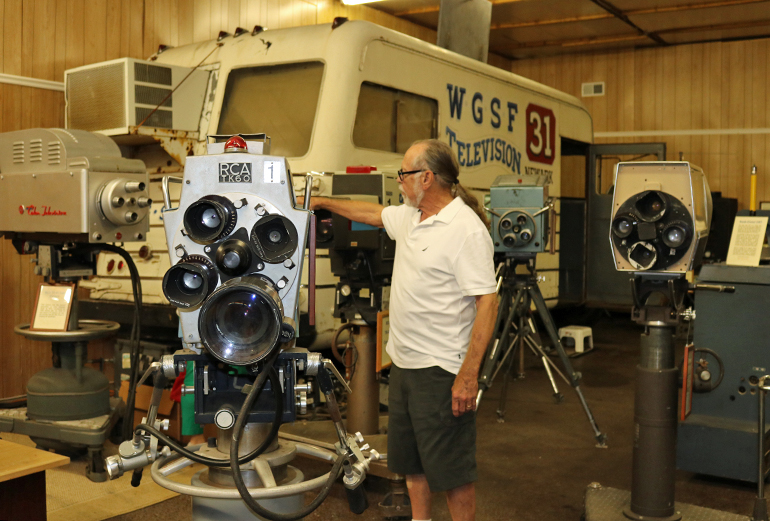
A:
(166, 195)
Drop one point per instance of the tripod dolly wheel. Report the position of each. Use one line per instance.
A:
(558, 398)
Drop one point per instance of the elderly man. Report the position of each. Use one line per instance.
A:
(442, 311)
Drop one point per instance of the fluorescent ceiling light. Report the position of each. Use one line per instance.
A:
(358, 2)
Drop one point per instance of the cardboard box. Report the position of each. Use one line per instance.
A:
(167, 409)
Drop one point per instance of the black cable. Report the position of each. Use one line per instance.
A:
(210, 462)
(250, 502)
(136, 288)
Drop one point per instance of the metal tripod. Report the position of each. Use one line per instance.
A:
(515, 329)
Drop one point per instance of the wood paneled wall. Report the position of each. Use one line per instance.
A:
(684, 90)
(42, 38)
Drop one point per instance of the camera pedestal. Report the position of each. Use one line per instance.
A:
(654, 454)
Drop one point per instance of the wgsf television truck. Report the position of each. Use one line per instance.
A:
(328, 96)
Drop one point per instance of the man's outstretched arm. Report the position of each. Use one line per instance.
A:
(359, 211)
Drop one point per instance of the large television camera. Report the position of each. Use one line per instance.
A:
(362, 255)
(661, 212)
(521, 214)
(237, 241)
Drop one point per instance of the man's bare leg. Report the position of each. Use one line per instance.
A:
(462, 502)
(419, 495)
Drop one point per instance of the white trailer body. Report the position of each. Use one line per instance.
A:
(360, 94)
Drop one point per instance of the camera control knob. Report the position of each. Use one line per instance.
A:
(224, 418)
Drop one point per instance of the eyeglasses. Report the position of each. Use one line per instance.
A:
(401, 173)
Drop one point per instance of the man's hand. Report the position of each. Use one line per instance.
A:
(464, 393)
(466, 384)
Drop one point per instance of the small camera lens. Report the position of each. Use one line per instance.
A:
(187, 284)
(210, 218)
(233, 257)
(642, 256)
(526, 235)
(623, 226)
(509, 241)
(674, 236)
(522, 220)
(651, 206)
(274, 238)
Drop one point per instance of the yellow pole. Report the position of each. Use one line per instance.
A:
(753, 195)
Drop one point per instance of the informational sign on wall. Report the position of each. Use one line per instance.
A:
(746, 241)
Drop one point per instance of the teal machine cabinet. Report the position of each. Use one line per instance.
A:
(719, 436)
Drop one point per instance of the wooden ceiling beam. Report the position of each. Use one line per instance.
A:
(577, 42)
(594, 17)
(690, 7)
(716, 27)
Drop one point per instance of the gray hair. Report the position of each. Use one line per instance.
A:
(439, 158)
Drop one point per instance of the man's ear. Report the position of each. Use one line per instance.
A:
(428, 180)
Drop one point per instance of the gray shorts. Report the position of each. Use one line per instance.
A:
(424, 437)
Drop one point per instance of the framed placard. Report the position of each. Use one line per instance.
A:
(52, 307)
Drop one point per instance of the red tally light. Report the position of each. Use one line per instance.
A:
(360, 169)
(521, 180)
(110, 266)
(236, 144)
(118, 235)
(120, 265)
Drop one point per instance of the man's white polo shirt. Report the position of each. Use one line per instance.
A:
(441, 264)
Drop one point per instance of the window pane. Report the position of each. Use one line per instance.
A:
(279, 100)
(391, 120)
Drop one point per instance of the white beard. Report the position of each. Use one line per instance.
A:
(419, 193)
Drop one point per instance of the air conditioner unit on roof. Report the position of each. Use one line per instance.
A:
(112, 96)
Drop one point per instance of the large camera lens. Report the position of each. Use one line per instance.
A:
(674, 235)
(526, 235)
(642, 255)
(509, 241)
(188, 283)
(623, 226)
(240, 323)
(233, 257)
(651, 206)
(210, 218)
(275, 238)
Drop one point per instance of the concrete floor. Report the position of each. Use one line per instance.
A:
(536, 465)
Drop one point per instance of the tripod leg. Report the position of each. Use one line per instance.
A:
(557, 396)
(574, 377)
(523, 331)
(549, 366)
(504, 390)
(488, 371)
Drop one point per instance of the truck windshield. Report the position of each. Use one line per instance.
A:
(279, 100)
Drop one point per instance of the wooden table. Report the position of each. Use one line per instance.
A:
(22, 481)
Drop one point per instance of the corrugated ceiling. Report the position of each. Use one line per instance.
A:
(531, 28)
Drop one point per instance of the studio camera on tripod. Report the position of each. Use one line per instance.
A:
(522, 214)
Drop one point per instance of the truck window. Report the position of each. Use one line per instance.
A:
(279, 100)
(391, 119)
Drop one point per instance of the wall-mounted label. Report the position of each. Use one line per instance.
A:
(235, 173)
